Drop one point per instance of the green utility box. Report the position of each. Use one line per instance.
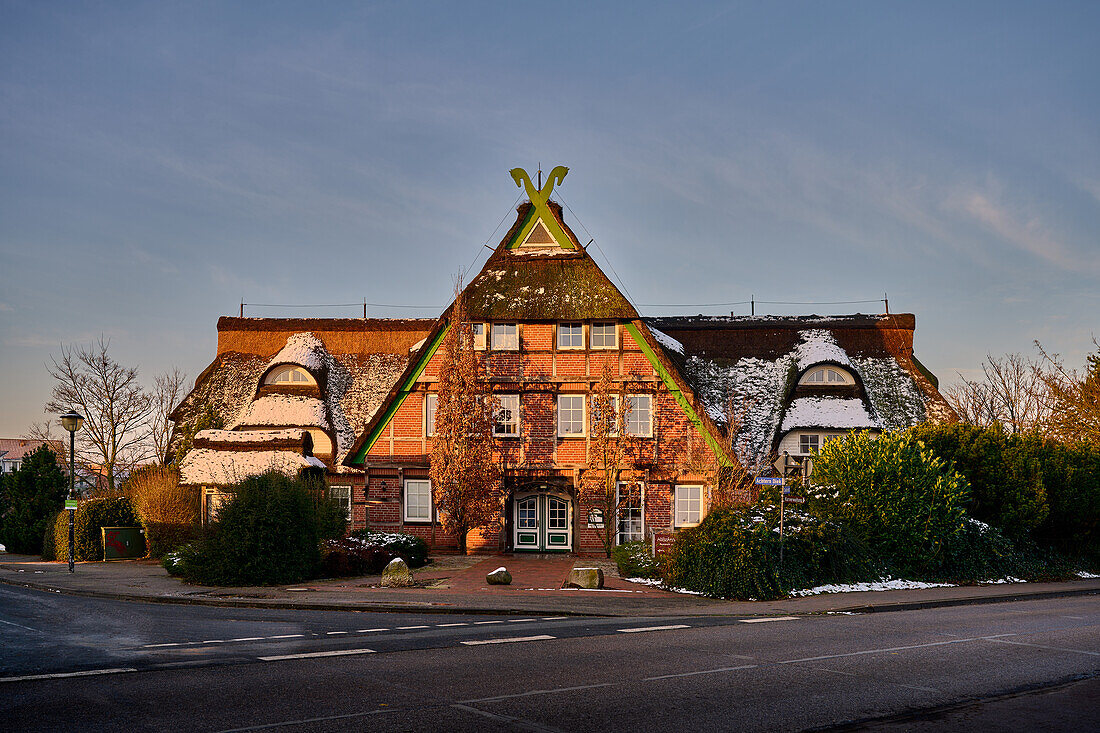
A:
(123, 543)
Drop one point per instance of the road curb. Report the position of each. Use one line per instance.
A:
(427, 607)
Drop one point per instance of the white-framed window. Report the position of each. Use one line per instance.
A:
(595, 417)
(808, 443)
(342, 495)
(570, 414)
(630, 499)
(570, 335)
(212, 503)
(431, 402)
(289, 374)
(689, 506)
(605, 335)
(827, 376)
(477, 335)
(418, 500)
(639, 415)
(505, 337)
(506, 423)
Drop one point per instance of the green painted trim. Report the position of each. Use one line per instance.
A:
(677, 394)
(402, 393)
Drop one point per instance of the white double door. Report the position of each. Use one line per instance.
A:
(543, 522)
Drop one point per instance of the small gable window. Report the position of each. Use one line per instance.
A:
(827, 376)
(505, 337)
(290, 375)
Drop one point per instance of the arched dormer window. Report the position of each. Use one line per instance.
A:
(290, 375)
(826, 376)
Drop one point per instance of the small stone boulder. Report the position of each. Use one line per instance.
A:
(584, 578)
(396, 574)
(500, 576)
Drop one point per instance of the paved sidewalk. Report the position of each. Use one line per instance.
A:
(458, 586)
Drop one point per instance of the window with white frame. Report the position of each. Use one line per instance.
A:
(289, 375)
(212, 503)
(505, 337)
(827, 376)
(808, 443)
(477, 335)
(631, 502)
(604, 335)
(570, 336)
(342, 496)
(418, 500)
(570, 414)
(431, 401)
(506, 424)
(596, 417)
(689, 505)
(639, 415)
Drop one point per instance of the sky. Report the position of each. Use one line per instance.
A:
(160, 162)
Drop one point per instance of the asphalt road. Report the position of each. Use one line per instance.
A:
(131, 666)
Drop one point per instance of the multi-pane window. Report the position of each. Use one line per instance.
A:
(507, 418)
(505, 337)
(431, 401)
(477, 335)
(612, 415)
(807, 443)
(603, 336)
(570, 414)
(570, 336)
(342, 496)
(689, 505)
(289, 375)
(825, 375)
(418, 500)
(631, 513)
(639, 415)
(528, 513)
(557, 514)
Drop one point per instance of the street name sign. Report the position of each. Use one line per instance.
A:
(768, 481)
(795, 499)
(70, 504)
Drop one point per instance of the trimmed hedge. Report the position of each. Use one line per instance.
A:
(410, 548)
(634, 560)
(91, 516)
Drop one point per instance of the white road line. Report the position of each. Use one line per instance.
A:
(519, 620)
(311, 655)
(214, 641)
(553, 618)
(287, 636)
(483, 623)
(405, 628)
(335, 633)
(367, 631)
(519, 723)
(879, 651)
(445, 625)
(654, 628)
(249, 638)
(1043, 646)
(701, 671)
(60, 675)
(765, 620)
(154, 646)
(21, 626)
(476, 642)
(539, 692)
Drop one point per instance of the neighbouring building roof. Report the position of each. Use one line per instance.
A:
(15, 449)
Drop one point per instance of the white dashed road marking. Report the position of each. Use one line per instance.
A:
(59, 675)
(310, 655)
(477, 642)
(765, 620)
(654, 628)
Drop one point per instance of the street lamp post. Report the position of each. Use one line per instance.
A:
(71, 421)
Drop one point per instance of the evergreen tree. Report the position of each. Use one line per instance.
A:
(32, 495)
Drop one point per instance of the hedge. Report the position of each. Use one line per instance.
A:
(91, 516)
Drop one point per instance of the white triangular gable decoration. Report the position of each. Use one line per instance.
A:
(539, 236)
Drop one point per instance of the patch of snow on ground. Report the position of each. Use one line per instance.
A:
(884, 584)
(657, 583)
(827, 412)
(1001, 581)
(667, 341)
(1086, 574)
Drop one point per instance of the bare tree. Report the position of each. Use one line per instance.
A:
(730, 481)
(465, 479)
(116, 408)
(1011, 393)
(168, 389)
(1073, 398)
(609, 445)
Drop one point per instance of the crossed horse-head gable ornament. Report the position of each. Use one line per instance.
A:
(539, 200)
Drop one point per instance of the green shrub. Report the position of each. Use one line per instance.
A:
(267, 533)
(31, 495)
(634, 560)
(900, 499)
(349, 556)
(410, 548)
(94, 514)
(49, 536)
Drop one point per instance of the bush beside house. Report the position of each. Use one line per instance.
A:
(91, 516)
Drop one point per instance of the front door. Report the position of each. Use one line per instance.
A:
(543, 522)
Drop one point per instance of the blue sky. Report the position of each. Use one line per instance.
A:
(158, 162)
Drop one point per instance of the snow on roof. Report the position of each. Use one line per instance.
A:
(249, 436)
(212, 466)
(818, 345)
(303, 349)
(667, 341)
(282, 410)
(827, 412)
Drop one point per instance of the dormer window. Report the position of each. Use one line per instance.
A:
(827, 376)
(290, 375)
